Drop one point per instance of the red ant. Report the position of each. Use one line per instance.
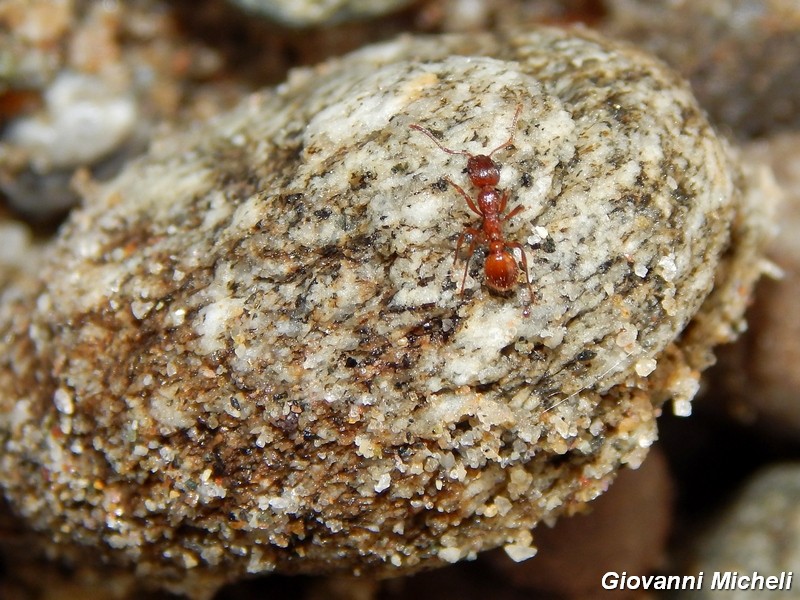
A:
(500, 266)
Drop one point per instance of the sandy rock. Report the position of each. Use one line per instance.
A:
(249, 351)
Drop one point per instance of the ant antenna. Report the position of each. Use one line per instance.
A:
(505, 144)
(435, 141)
(598, 378)
(513, 130)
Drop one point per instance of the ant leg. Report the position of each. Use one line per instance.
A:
(466, 266)
(501, 206)
(514, 212)
(460, 190)
(513, 129)
(476, 236)
(524, 262)
(459, 242)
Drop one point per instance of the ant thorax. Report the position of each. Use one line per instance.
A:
(489, 202)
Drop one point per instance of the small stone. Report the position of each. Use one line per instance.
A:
(450, 555)
(63, 401)
(519, 553)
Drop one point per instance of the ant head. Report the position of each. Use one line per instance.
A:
(483, 171)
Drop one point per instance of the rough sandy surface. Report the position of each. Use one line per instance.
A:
(248, 352)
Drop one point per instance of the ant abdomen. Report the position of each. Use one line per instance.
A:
(501, 270)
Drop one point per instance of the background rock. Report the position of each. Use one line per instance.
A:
(313, 12)
(759, 531)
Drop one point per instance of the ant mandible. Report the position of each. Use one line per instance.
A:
(500, 266)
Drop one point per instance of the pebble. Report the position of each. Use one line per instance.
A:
(249, 352)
